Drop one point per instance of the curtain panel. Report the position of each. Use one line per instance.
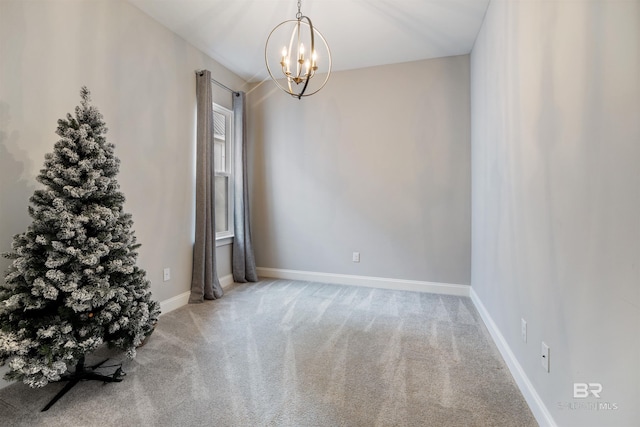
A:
(204, 278)
(243, 261)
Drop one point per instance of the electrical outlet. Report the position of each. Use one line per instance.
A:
(544, 359)
(166, 274)
(356, 257)
(523, 330)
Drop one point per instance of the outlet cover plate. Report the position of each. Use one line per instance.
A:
(544, 356)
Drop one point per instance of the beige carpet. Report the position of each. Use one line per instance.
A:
(283, 353)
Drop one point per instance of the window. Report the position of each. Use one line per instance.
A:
(223, 167)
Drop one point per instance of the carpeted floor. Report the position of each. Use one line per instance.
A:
(283, 353)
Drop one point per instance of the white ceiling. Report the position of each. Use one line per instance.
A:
(360, 33)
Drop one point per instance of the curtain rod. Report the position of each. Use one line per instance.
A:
(225, 87)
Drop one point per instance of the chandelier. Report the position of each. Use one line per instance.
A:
(291, 66)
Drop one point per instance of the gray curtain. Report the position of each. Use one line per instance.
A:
(204, 278)
(243, 262)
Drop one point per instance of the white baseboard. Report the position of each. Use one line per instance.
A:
(172, 303)
(226, 281)
(538, 408)
(366, 281)
(178, 301)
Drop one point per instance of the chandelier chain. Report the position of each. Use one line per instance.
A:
(299, 14)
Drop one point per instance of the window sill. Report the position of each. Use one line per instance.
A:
(224, 241)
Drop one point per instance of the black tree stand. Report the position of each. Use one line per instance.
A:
(83, 373)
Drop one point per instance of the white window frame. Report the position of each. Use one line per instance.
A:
(226, 237)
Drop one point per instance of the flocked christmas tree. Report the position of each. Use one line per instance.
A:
(73, 283)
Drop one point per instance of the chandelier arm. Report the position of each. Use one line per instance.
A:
(289, 84)
(329, 65)
(298, 65)
(313, 47)
(306, 82)
(295, 35)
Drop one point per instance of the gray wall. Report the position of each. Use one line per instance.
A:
(377, 162)
(556, 195)
(142, 79)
